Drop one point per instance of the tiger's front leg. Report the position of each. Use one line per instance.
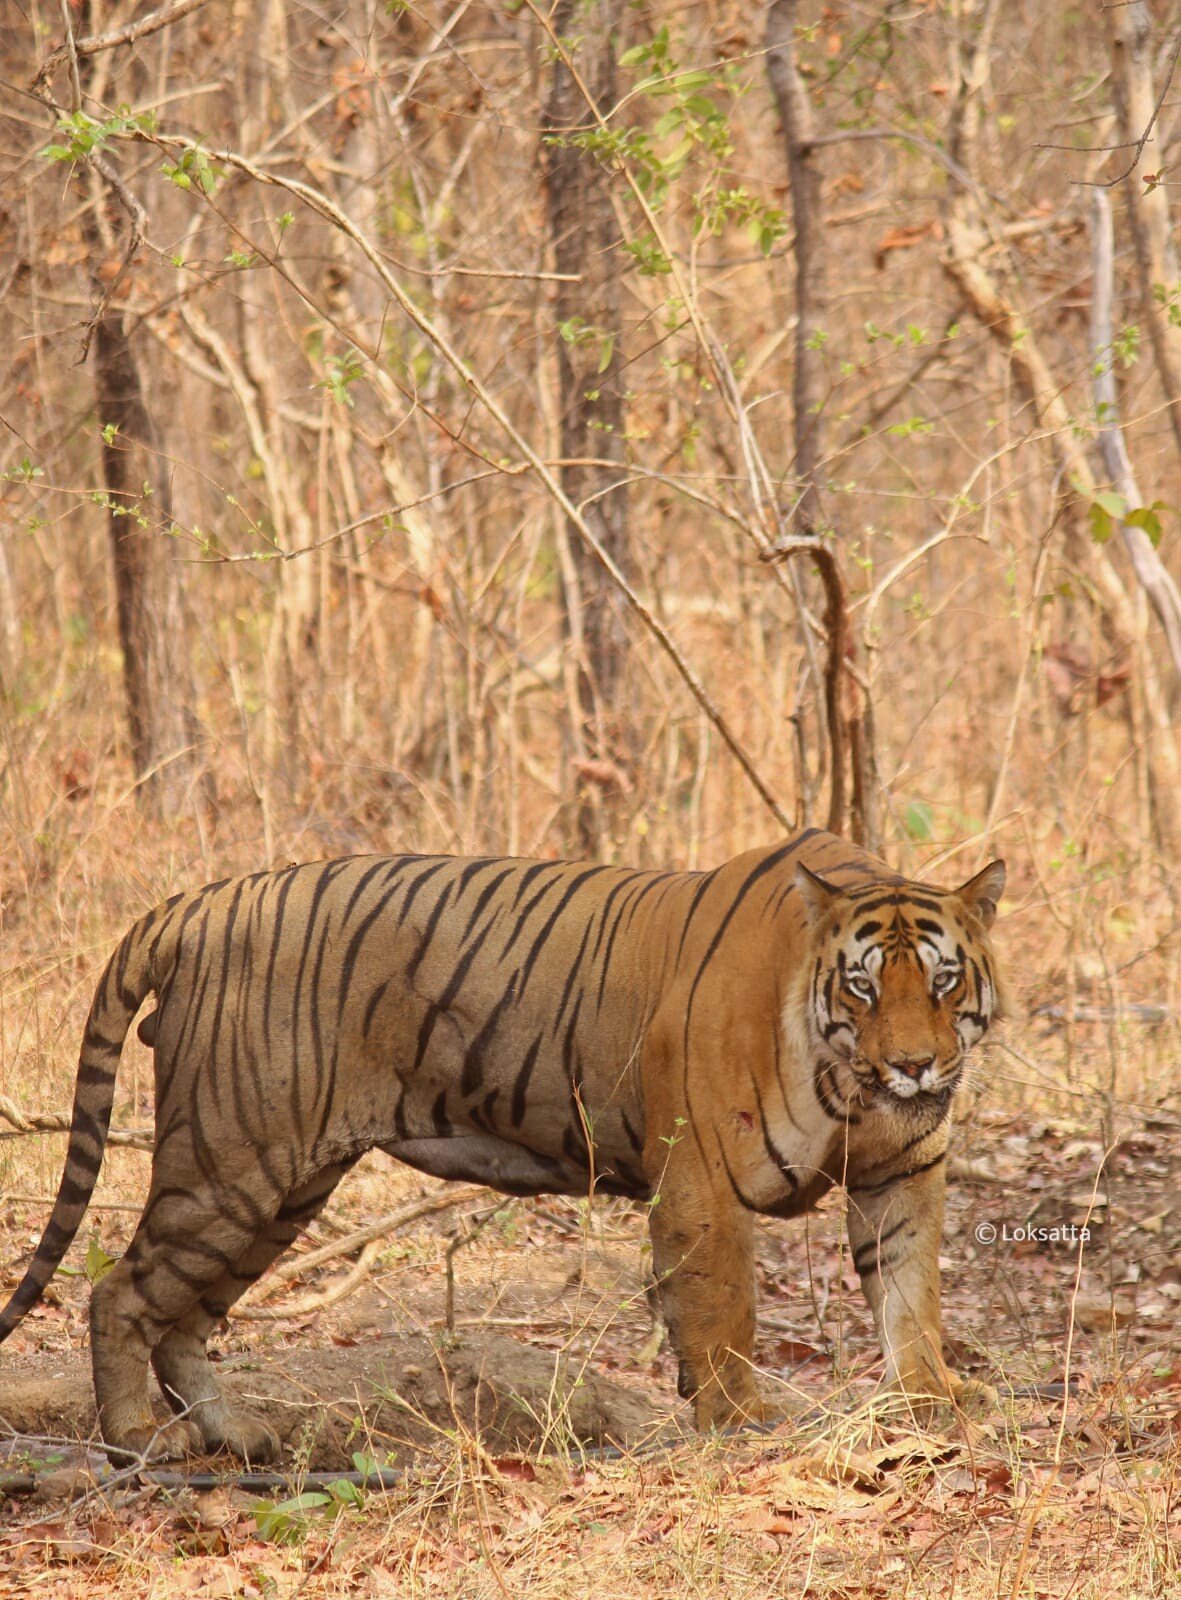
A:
(895, 1234)
(703, 1257)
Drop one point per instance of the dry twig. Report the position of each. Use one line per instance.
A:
(60, 1122)
(369, 1240)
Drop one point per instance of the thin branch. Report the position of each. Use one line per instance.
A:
(1156, 111)
(24, 1123)
(71, 49)
(319, 202)
(1151, 572)
(836, 622)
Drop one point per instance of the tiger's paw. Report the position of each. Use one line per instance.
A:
(973, 1397)
(171, 1441)
(714, 1408)
(246, 1437)
(957, 1399)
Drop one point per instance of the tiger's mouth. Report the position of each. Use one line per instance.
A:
(925, 1083)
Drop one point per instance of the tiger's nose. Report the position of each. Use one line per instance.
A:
(911, 1066)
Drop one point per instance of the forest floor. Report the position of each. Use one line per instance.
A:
(540, 1447)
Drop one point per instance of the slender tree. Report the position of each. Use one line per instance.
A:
(165, 746)
(587, 313)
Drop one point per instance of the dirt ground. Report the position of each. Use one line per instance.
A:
(551, 1318)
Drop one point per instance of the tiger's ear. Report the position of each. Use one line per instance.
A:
(817, 893)
(982, 894)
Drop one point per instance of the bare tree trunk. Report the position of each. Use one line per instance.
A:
(993, 295)
(1129, 32)
(587, 312)
(803, 168)
(156, 668)
(846, 714)
(1151, 573)
(157, 674)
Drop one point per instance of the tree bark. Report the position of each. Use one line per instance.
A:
(994, 297)
(1151, 573)
(587, 313)
(156, 669)
(845, 718)
(1129, 32)
(804, 177)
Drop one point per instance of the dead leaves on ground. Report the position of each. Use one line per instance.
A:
(860, 1511)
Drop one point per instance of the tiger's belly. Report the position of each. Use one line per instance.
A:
(476, 1157)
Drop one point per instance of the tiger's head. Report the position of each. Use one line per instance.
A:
(902, 983)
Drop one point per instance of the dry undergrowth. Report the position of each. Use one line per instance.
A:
(1072, 1119)
(1070, 1124)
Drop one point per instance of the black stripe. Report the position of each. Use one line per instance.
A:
(285, 888)
(471, 1076)
(898, 1177)
(428, 933)
(527, 877)
(866, 1257)
(371, 1006)
(626, 881)
(486, 894)
(353, 949)
(572, 975)
(572, 889)
(767, 864)
(521, 1083)
(780, 1160)
(699, 895)
(439, 1118)
(616, 928)
(633, 1138)
(829, 1096)
(743, 1199)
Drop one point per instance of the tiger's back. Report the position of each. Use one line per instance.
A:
(535, 1026)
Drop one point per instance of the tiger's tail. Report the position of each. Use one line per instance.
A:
(130, 976)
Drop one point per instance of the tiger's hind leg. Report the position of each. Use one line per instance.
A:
(187, 1248)
(180, 1359)
(133, 1306)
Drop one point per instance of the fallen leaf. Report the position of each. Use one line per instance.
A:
(905, 238)
(1101, 1312)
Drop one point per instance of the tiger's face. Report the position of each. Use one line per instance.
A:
(903, 983)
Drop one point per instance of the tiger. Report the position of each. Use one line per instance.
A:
(715, 1045)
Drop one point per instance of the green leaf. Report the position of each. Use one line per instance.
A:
(1102, 522)
(98, 1262)
(1113, 503)
(684, 82)
(1148, 518)
(285, 1522)
(918, 820)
